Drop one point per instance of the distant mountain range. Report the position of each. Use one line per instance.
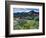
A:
(26, 13)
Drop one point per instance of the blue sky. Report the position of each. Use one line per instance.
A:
(15, 10)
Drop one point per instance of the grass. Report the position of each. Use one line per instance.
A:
(26, 24)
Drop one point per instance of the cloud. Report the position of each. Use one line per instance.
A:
(15, 10)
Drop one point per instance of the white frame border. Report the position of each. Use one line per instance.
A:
(25, 31)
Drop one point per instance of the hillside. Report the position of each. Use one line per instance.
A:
(30, 13)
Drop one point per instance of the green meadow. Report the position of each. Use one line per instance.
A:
(28, 23)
